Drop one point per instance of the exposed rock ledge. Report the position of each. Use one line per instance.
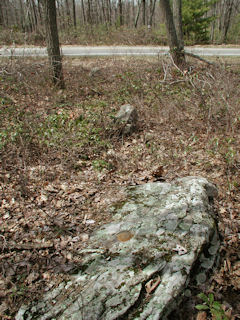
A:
(138, 266)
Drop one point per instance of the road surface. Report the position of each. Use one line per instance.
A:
(117, 51)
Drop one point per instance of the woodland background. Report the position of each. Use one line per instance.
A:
(132, 22)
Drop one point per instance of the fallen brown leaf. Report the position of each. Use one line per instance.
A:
(202, 315)
(152, 284)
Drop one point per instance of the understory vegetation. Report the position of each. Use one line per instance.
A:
(111, 35)
(89, 35)
(62, 157)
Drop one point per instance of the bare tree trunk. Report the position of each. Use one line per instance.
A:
(95, 14)
(89, 13)
(29, 17)
(39, 6)
(68, 12)
(137, 15)
(128, 12)
(228, 8)
(133, 12)
(177, 18)
(17, 17)
(22, 16)
(34, 14)
(5, 13)
(83, 12)
(144, 12)
(53, 43)
(1, 14)
(74, 13)
(12, 14)
(104, 17)
(152, 9)
(120, 5)
(176, 50)
(60, 14)
(213, 24)
(109, 12)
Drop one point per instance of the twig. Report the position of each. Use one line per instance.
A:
(165, 68)
(4, 242)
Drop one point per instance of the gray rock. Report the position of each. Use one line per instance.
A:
(127, 117)
(94, 72)
(138, 266)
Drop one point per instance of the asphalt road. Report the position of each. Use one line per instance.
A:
(117, 51)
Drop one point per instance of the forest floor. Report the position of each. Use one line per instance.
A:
(62, 158)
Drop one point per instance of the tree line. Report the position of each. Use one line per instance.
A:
(203, 20)
(181, 17)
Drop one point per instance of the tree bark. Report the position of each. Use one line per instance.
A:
(144, 12)
(109, 12)
(60, 14)
(89, 13)
(5, 12)
(68, 12)
(213, 24)
(176, 50)
(34, 15)
(127, 14)
(152, 12)
(120, 12)
(53, 43)
(29, 17)
(74, 13)
(39, 9)
(83, 12)
(228, 8)
(137, 15)
(22, 16)
(1, 14)
(177, 18)
(104, 16)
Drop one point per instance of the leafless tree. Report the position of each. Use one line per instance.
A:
(53, 43)
(226, 18)
(177, 18)
(144, 12)
(120, 4)
(138, 13)
(74, 13)
(68, 12)
(152, 10)
(1, 14)
(176, 50)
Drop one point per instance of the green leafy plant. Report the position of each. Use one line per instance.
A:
(99, 165)
(209, 304)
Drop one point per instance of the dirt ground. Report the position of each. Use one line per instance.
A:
(63, 161)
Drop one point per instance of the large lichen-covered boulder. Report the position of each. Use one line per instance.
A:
(137, 266)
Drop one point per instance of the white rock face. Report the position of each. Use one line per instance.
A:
(127, 116)
(138, 266)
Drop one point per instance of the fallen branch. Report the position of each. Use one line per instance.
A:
(26, 246)
(199, 58)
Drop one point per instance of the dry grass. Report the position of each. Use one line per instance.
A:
(62, 159)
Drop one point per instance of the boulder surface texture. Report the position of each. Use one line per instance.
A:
(137, 266)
